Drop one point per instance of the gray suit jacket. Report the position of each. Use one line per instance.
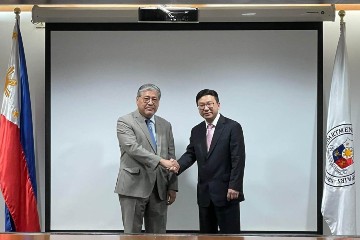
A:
(139, 164)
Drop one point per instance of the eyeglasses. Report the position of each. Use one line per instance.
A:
(148, 99)
(208, 104)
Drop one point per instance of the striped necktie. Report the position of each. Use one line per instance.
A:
(149, 126)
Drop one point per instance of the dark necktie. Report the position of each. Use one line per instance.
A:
(148, 124)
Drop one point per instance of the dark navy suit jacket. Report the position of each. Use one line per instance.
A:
(222, 167)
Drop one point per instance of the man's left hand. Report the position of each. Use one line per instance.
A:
(232, 194)
(171, 196)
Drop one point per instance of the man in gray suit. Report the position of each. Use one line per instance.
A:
(145, 185)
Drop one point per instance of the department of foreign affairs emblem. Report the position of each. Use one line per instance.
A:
(340, 171)
(343, 154)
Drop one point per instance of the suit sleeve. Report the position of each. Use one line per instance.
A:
(173, 181)
(130, 145)
(237, 151)
(189, 157)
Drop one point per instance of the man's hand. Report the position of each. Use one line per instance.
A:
(232, 194)
(171, 196)
(171, 165)
(166, 163)
(175, 167)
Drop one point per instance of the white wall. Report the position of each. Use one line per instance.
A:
(34, 43)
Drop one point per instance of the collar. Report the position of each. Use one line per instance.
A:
(215, 120)
(152, 119)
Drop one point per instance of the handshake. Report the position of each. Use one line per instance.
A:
(171, 165)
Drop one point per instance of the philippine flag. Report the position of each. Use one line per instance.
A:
(17, 158)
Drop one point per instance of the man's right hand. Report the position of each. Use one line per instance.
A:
(171, 165)
(175, 168)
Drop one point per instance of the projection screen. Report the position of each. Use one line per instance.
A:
(268, 77)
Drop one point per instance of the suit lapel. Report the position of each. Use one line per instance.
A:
(140, 120)
(202, 135)
(218, 131)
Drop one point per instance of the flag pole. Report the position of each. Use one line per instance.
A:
(342, 23)
(342, 15)
(17, 12)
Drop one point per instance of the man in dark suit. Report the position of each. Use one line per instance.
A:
(144, 184)
(217, 144)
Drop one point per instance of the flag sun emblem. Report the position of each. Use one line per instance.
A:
(343, 155)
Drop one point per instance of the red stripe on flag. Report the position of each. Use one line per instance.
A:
(16, 188)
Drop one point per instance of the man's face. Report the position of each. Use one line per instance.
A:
(148, 103)
(208, 107)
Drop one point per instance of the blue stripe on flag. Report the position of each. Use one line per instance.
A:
(26, 126)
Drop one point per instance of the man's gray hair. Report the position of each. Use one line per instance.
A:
(149, 87)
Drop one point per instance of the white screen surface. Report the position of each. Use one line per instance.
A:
(266, 80)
